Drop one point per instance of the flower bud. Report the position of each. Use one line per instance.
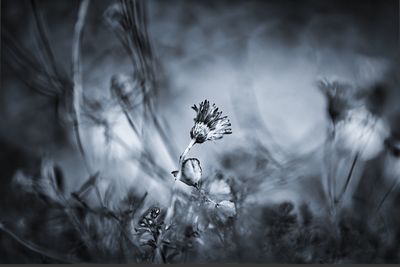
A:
(191, 172)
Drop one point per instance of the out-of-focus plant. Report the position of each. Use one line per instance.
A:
(354, 133)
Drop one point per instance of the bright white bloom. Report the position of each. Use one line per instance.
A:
(361, 132)
(219, 190)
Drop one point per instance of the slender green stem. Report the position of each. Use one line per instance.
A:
(207, 198)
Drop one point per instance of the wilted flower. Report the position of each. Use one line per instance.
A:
(209, 125)
(191, 172)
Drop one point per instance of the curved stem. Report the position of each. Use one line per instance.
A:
(177, 174)
(77, 77)
(182, 157)
(207, 198)
(350, 174)
(35, 248)
(391, 189)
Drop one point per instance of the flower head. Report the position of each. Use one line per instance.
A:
(149, 226)
(341, 98)
(209, 124)
(361, 132)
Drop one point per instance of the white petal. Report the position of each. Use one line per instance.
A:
(219, 187)
(226, 209)
(361, 132)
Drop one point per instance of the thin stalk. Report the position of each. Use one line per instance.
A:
(37, 249)
(328, 155)
(170, 210)
(391, 189)
(182, 157)
(130, 120)
(47, 53)
(208, 199)
(177, 175)
(349, 176)
(77, 75)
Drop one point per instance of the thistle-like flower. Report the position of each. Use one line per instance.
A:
(209, 124)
